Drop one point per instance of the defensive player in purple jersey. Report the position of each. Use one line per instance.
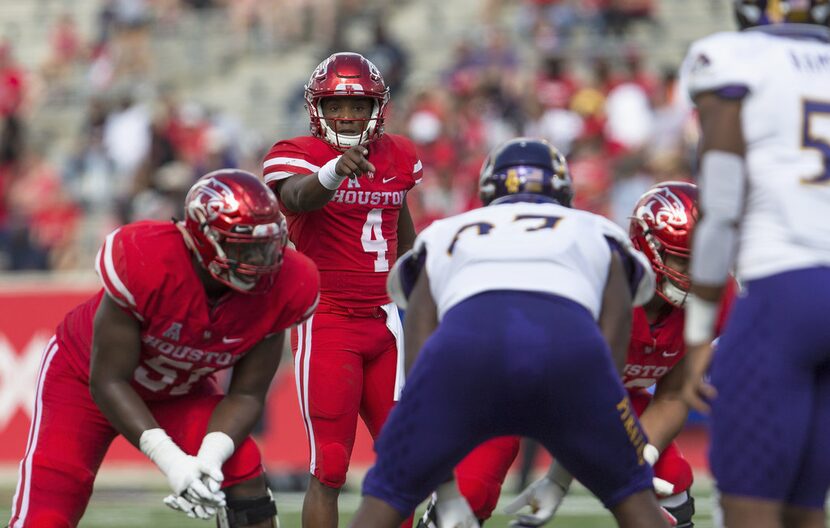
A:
(514, 310)
(763, 96)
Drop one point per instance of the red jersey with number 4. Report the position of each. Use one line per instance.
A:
(147, 270)
(353, 239)
(656, 348)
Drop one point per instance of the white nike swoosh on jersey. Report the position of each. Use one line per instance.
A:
(667, 354)
(229, 340)
(387, 180)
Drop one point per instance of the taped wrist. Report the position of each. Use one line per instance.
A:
(722, 187)
(651, 454)
(699, 327)
(328, 177)
(448, 491)
(216, 448)
(560, 476)
(160, 448)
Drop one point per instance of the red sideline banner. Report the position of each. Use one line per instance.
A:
(29, 314)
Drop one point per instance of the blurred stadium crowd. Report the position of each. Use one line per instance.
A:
(140, 144)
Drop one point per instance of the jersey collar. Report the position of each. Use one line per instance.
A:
(796, 31)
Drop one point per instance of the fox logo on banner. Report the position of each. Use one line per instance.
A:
(18, 376)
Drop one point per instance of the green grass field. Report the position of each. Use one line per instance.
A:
(128, 508)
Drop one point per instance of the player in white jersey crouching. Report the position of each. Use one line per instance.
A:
(514, 313)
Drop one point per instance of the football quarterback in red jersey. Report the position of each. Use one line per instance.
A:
(661, 228)
(138, 359)
(343, 191)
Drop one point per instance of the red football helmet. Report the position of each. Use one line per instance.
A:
(662, 225)
(234, 226)
(350, 75)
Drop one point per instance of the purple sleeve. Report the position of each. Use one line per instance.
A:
(411, 268)
(633, 268)
(733, 91)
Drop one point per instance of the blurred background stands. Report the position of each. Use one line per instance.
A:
(111, 108)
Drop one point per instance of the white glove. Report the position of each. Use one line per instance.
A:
(543, 497)
(455, 513)
(663, 488)
(194, 511)
(184, 472)
(216, 448)
(451, 509)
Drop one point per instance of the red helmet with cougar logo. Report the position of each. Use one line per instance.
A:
(234, 226)
(346, 75)
(662, 225)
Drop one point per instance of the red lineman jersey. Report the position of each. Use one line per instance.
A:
(656, 348)
(353, 239)
(146, 268)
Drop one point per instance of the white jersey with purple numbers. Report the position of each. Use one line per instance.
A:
(528, 247)
(782, 76)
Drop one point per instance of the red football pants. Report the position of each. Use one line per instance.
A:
(482, 472)
(345, 365)
(69, 437)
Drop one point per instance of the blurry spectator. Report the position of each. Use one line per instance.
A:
(12, 97)
(462, 74)
(105, 19)
(545, 37)
(131, 40)
(495, 58)
(481, 124)
(669, 165)
(162, 199)
(89, 175)
(253, 23)
(160, 152)
(219, 151)
(38, 198)
(389, 56)
(589, 104)
(126, 137)
(12, 140)
(629, 118)
(498, 56)
(304, 20)
(12, 80)
(632, 180)
(559, 126)
(592, 176)
(552, 20)
(620, 15)
(66, 51)
(671, 115)
(187, 131)
(89, 179)
(636, 72)
(605, 78)
(436, 150)
(101, 74)
(18, 251)
(555, 83)
(229, 141)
